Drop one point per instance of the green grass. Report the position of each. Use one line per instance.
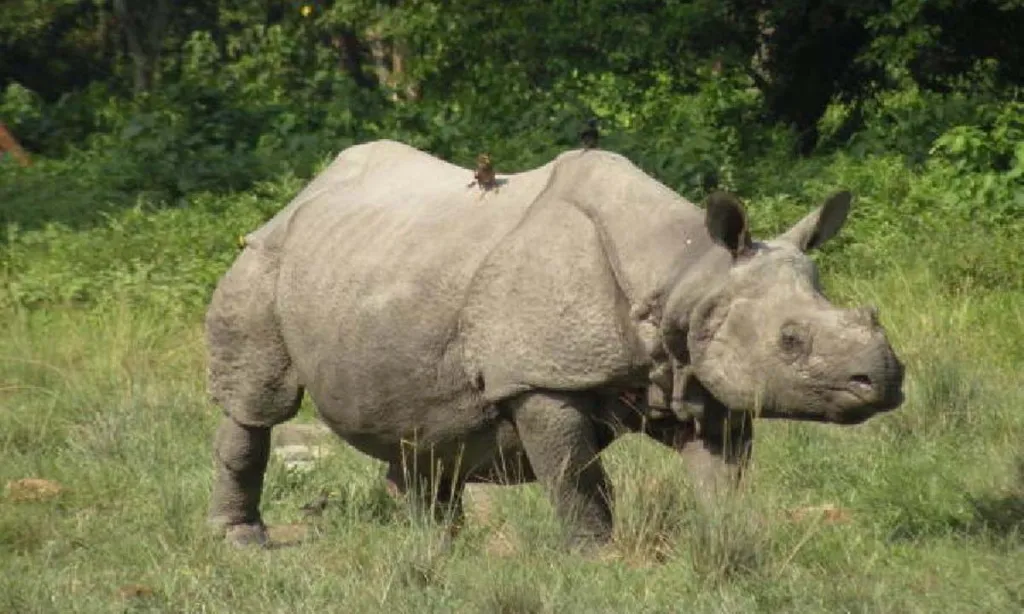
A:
(110, 404)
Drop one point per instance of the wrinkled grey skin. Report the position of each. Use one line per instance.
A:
(465, 337)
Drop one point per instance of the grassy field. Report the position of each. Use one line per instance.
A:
(918, 511)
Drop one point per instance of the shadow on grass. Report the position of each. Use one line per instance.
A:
(1000, 515)
(996, 515)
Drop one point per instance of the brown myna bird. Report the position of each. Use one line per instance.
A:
(484, 176)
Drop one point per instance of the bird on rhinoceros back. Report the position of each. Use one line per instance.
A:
(461, 344)
(589, 135)
(484, 176)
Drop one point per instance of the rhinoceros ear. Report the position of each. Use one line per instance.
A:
(726, 222)
(821, 225)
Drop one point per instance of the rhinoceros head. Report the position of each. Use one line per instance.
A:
(761, 337)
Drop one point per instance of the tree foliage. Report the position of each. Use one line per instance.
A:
(160, 99)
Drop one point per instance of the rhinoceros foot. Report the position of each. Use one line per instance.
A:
(247, 535)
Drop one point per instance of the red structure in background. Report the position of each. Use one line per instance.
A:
(8, 144)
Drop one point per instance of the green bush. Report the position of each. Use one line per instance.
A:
(169, 258)
(937, 177)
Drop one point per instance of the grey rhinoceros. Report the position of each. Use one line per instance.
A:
(463, 333)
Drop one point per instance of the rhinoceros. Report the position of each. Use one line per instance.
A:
(517, 332)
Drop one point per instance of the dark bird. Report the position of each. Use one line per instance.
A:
(709, 181)
(589, 135)
(484, 176)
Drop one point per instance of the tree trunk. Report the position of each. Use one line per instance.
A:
(144, 24)
(389, 65)
(143, 73)
(350, 57)
(399, 53)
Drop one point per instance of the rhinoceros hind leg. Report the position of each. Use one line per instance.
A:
(562, 447)
(252, 379)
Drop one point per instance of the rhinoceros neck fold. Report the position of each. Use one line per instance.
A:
(650, 234)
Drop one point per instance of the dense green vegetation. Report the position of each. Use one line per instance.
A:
(161, 131)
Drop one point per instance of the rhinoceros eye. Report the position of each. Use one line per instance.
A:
(792, 339)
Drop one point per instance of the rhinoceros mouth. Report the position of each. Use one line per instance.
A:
(866, 409)
(856, 416)
(863, 398)
(845, 408)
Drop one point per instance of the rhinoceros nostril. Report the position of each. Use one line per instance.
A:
(861, 383)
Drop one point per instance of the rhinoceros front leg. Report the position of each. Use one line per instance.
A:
(561, 445)
(720, 454)
(240, 461)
